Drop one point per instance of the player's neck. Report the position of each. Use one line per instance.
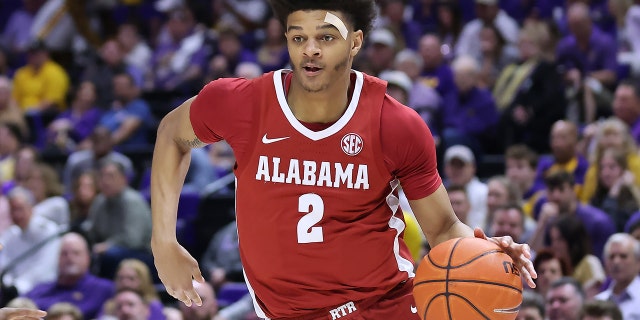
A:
(319, 107)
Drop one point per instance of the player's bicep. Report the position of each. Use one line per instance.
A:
(434, 214)
(177, 126)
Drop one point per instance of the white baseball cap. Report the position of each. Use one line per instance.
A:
(460, 152)
(383, 36)
(397, 78)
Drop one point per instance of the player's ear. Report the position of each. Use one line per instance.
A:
(357, 40)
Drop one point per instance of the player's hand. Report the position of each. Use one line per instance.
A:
(21, 314)
(520, 253)
(176, 269)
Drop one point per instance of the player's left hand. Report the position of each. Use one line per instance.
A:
(520, 253)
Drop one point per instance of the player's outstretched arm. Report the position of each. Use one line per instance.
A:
(439, 223)
(171, 157)
(21, 314)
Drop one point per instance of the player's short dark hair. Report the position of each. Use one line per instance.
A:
(360, 13)
(601, 308)
(522, 152)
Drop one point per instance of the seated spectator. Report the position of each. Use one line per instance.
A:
(72, 128)
(508, 220)
(601, 310)
(564, 156)
(134, 275)
(381, 51)
(129, 118)
(632, 31)
(63, 311)
(626, 28)
(240, 310)
(16, 33)
(562, 200)
(459, 202)
(622, 260)
(569, 239)
(119, 223)
(42, 84)
(532, 307)
(494, 56)
(75, 284)
(520, 168)
(273, 54)
(471, 117)
(626, 106)
(436, 72)
(448, 26)
(27, 158)
(529, 93)
(45, 185)
(10, 141)
(9, 110)
(564, 299)
(209, 307)
(501, 192)
(135, 50)
(130, 305)
(30, 245)
(550, 267)
(616, 191)
(398, 85)
(633, 226)
(460, 170)
(86, 160)
(84, 191)
(221, 261)
(393, 17)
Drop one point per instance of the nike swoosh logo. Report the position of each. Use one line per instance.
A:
(414, 309)
(266, 140)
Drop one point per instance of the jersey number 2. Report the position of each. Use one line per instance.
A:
(312, 206)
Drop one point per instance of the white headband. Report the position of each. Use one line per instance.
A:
(336, 22)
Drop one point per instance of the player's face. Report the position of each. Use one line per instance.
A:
(319, 54)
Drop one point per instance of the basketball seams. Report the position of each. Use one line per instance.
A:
(468, 281)
(449, 266)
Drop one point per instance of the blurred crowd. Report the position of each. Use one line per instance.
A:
(546, 91)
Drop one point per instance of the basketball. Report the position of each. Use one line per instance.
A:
(467, 278)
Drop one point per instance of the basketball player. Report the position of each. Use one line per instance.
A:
(320, 153)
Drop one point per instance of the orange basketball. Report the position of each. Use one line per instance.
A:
(467, 278)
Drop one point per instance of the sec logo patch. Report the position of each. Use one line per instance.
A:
(351, 144)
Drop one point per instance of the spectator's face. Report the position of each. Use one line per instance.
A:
(130, 306)
(626, 105)
(486, 13)
(20, 211)
(528, 47)
(563, 196)
(563, 141)
(498, 195)
(548, 271)
(209, 306)
(529, 313)
(559, 244)
(179, 24)
(507, 222)
(488, 40)
(86, 93)
(612, 138)
(36, 184)
(230, 46)
(101, 142)
(86, 190)
(380, 56)
(636, 233)
(460, 204)
(410, 68)
(274, 30)
(398, 94)
(458, 172)
(465, 79)
(111, 53)
(123, 88)
(445, 16)
(621, 263)
(430, 51)
(127, 36)
(395, 11)
(579, 24)
(127, 278)
(8, 142)
(112, 182)
(610, 170)
(25, 162)
(74, 257)
(37, 58)
(5, 93)
(519, 171)
(563, 303)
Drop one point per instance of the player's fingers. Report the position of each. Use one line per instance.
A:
(194, 296)
(197, 275)
(182, 296)
(527, 276)
(479, 233)
(527, 264)
(506, 241)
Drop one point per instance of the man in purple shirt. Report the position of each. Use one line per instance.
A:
(587, 52)
(626, 106)
(75, 284)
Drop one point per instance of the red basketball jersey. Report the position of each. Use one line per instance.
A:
(318, 219)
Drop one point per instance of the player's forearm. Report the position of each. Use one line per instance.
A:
(456, 230)
(168, 170)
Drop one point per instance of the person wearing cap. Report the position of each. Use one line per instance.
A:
(487, 12)
(436, 71)
(382, 51)
(398, 85)
(460, 170)
(42, 84)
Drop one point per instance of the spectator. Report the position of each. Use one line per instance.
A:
(501, 192)
(460, 170)
(564, 156)
(130, 305)
(129, 118)
(532, 307)
(520, 169)
(381, 51)
(601, 310)
(564, 299)
(209, 307)
(471, 117)
(134, 275)
(436, 71)
(135, 50)
(550, 267)
(9, 110)
(41, 85)
(45, 185)
(31, 234)
(459, 202)
(16, 35)
(626, 106)
(84, 160)
(398, 85)
(449, 26)
(494, 56)
(119, 223)
(392, 17)
(231, 54)
(10, 141)
(221, 261)
(622, 260)
(72, 128)
(562, 200)
(26, 159)
(63, 311)
(273, 54)
(247, 15)
(632, 30)
(75, 284)
(508, 220)
(616, 192)
(529, 93)
(84, 190)
(487, 12)
(633, 226)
